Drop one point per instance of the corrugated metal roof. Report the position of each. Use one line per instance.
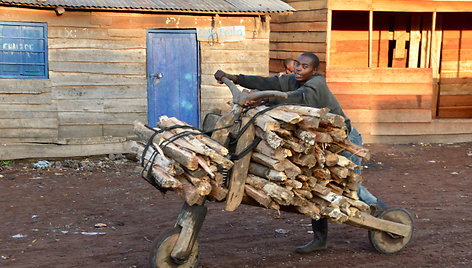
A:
(226, 6)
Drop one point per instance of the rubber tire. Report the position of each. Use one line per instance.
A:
(162, 248)
(386, 243)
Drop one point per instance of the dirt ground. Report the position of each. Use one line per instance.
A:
(50, 217)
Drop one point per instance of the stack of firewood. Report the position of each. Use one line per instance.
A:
(296, 166)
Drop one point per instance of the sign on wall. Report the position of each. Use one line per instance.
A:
(221, 34)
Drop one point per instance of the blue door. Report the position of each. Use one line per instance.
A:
(173, 80)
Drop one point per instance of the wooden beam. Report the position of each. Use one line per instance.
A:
(240, 169)
(415, 37)
(370, 222)
(400, 36)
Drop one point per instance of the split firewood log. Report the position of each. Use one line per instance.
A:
(267, 173)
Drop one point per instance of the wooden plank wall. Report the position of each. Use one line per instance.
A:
(349, 39)
(303, 30)
(250, 56)
(381, 105)
(398, 39)
(455, 89)
(97, 82)
(393, 102)
(386, 109)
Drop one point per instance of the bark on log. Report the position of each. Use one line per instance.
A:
(277, 192)
(309, 122)
(264, 121)
(306, 160)
(259, 196)
(217, 191)
(308, 137)
(202, 185)
(338, 134)
(267, 161)
(331, 159)
(283, 133)
(322, 137)
(295, 144)
(195, 144)
(137, 149)
(322, 174)
(305, 110)
(354, 149)
(294, 184)
(189, 192)
(279, 153)
(163, 179)
(285, 116)
(340, 172)
(270, 137)
(204, 139)
(267, 173)
(290, 169)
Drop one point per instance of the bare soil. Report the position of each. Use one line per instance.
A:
(50, 217)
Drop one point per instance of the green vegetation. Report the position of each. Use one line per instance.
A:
(6, 163)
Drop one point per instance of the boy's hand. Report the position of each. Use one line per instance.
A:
(220, 74)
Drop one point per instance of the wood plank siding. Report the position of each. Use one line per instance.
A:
(303, 30)
(97, 83)
(455, 84)
(401, 70)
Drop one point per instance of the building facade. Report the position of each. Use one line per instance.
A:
(75, 75)
(401, 70)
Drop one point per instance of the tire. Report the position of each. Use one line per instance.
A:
(162, 248)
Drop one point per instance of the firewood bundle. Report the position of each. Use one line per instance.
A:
(298, 163)
(296, 166)
(182, 160)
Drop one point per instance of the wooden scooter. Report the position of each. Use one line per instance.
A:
(389, 232)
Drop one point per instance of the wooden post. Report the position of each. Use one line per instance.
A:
(400, 37)
(430, 41)
(191, 220)
(371, 28)
(436, 42)
(328, 35)
(240, 168)
(425, 42)
(415, 37)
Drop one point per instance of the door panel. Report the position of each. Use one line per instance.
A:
(173, 80)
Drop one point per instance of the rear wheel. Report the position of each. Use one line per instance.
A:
(162, 248)
(388, 243)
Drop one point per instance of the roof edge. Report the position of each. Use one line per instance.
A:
(150, 10)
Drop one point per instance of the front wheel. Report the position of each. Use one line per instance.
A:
(162, 248)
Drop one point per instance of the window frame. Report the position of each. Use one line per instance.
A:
(44, 38)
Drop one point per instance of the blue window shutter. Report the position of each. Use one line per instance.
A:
(23, 50)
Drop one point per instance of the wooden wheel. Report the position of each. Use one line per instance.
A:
(388, 243)
(162, 248)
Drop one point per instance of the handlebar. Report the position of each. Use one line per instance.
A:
(242, 98)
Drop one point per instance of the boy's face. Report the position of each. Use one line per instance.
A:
(304, 69)
(290, 67)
